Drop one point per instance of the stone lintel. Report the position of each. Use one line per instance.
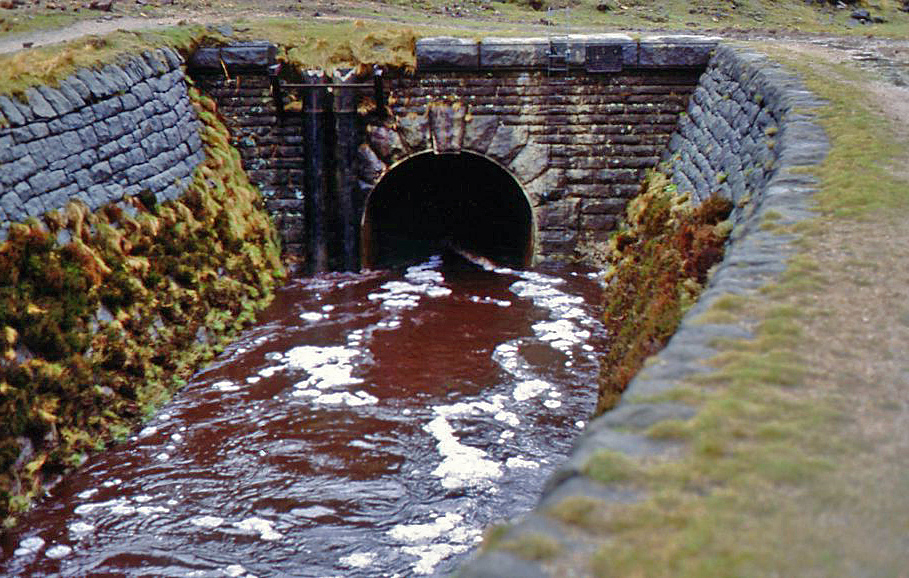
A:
(675, 51)
(243, 55)
(514, 52)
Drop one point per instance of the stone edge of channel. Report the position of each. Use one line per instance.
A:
(754, 258)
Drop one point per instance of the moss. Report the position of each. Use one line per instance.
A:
(99, 332)
(660, 260)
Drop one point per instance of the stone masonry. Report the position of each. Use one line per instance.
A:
(750, 134)
(100, 135)
(577, 136)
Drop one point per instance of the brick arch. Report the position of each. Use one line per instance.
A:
(452, 127)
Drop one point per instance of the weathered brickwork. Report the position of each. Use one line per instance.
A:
(100, 135)
(270, 144)
(578, 144)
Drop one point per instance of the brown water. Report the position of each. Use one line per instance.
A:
(372, 424)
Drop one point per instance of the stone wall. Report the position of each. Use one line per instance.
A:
(578, 143)
(270, 140)
(750, 134)
(577, 135)
(739, 128)
(101, 134)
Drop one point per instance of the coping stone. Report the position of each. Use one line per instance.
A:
(236, 56)
(676, 51)
(447, 52)
(514, 52)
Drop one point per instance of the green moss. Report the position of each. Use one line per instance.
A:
(98, 333)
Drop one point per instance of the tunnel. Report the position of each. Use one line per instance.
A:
(432, 202)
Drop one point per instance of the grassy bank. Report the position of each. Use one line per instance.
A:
(796, 461)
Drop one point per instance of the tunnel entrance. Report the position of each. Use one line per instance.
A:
(431, 202)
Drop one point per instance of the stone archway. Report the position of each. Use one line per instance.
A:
(430, 202)
(452, 129)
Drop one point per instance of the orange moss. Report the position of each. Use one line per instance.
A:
(660, 261)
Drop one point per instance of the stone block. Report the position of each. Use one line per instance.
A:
(530, 162)
(561, 214)
(371, 167)
(506, 142)
(676, 51)
(514, 53)
(238, 56)
(479, 130)
(413, 129)
(39, 104)
(57, 100)
(11, 111)
(12, 205)
(446, 125)
(100, 172)
(447, 52)
(386, 143)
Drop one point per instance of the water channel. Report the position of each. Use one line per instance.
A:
(371, 424)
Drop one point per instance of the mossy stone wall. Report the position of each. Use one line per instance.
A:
(100, 135)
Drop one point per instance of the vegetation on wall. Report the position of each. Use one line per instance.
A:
(104, 315)
(659, 262)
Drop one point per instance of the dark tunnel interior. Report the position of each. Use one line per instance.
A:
(432, 202)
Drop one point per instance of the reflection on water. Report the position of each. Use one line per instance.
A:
(371, 425)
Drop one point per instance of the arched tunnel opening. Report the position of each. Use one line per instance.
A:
(433, 202)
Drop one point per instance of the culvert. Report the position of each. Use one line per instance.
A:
(461, 201)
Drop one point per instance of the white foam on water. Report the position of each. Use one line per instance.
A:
(306, 393)
(148, 431)
(580, 424)
(274, 356)
(226, 386)
(461, 465)
(86, 494)
(149, 510)
(312, 316)
(80, 529)
(235, 570)
(529, 389)
(552, 403)
(84, 509)
(29, 545)
(518, 462)
(344, 398)
(430, 555)
(253, 380)
(328, 367)
(177, 437)
(270, 371)
(259, 525)
(162, 457)
(206, 521)
(59, 551)
(423, 532)
(507, 417)
(359, 559)
(422, 280)
(143, 498)
(491, 301)
(328, 308)
(312, 512)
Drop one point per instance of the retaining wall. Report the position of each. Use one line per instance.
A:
(749, 131)
(101, 134)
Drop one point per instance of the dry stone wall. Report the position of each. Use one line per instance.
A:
(100, 135)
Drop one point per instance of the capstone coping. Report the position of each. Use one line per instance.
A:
(446, 52)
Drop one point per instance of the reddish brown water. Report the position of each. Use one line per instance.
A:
(371, 425)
